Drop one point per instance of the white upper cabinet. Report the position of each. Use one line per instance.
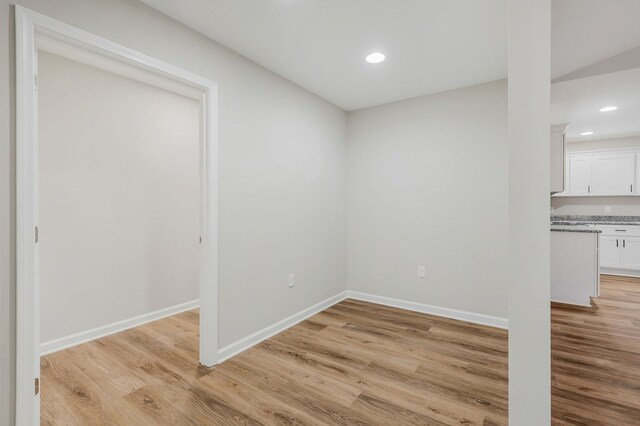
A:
(613, 174)
(602, 173)
(580, 172)
(557, 151)
(636, 187)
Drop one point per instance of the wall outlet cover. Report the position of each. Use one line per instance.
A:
(292, 280)
(422, 271)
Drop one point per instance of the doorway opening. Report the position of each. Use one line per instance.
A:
(595, 234)
(90, 228)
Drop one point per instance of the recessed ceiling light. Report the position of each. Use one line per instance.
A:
(375, 58)
(608, 108)
(589, 133)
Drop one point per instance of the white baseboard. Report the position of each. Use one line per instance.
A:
(252, 340)
(86, 336)
(620, 272)
(267, 332)
(432, 310)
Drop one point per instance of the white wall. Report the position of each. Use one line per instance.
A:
(119, 197)
(620, 206)
(428, 185)
(282, 192)
(593, 206)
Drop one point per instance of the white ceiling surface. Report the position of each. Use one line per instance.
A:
(627, 60)
(431, 45)
(579, 102)
(587, 31)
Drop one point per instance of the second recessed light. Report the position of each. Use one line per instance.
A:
(608, 108)
(375, 58)
(589, 133)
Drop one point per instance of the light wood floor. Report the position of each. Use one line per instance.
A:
(596, 358)
(355, 363)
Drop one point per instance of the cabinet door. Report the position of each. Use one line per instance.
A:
(610, 248)
(613, 174)
(557, 150)
(636, 187)
(580, 175)
(630, 254)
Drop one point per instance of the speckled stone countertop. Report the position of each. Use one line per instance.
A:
(574, 228)
(597, 220)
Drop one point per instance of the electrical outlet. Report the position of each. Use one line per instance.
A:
(607, 209)
(422, 271)
(292, 280)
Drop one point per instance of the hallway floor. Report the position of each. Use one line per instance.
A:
(596, 358)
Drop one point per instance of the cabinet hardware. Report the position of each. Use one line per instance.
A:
(617, 243)
(621, 230)
(624, 243)
(589, 189)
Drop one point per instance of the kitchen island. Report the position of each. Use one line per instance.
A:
(575, 264)
(619, 244)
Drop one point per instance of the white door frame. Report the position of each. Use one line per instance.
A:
(30, 25)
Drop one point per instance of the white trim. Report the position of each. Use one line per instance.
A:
(597, 138)
(267, 332)
(242, 345)
(629, 150)
(456, 314)
(27, 312)
(86, 336)
(30, 26)
(620, 272)
(560, 127)
(113, 66)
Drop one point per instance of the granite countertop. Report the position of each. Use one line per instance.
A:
(596, 220)
(574, 228)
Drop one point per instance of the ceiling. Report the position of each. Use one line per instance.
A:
(587, 31)
(431, 45)
(579, 102)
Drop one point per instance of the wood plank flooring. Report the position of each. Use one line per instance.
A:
(596, 358)
(355, 363)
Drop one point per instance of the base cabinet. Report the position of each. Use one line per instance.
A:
(630, 253)
(620, 249)
(609, 251)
